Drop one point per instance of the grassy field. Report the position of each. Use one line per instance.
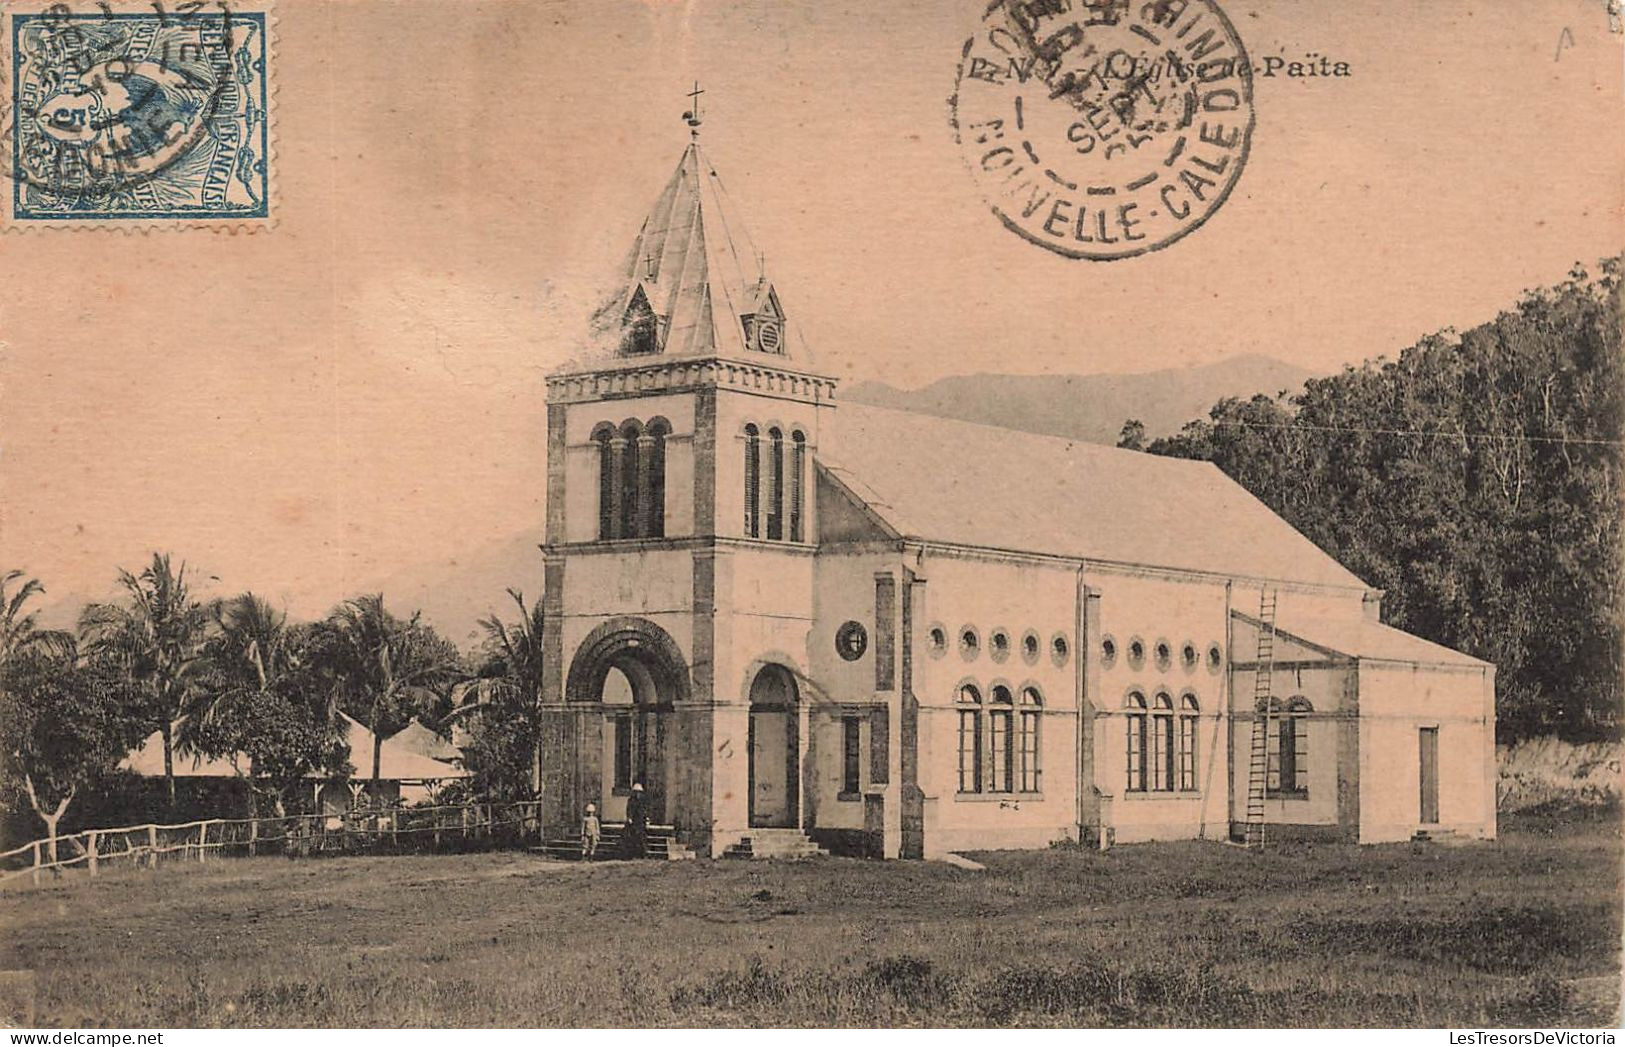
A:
(1525, 931)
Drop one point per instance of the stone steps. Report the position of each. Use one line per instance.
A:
(774, 843)
(660, 844)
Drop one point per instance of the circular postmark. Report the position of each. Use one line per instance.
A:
(108, 98)
(1104, 129)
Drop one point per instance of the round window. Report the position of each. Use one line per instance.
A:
(969, 643)
(1187, 654)
(1000, 645)
(1136, 653)
(1030, 647)
(1164, 655)
(937, 639)
(1108, 650)
(1059, 649)
(1215, 657)
(851, 640)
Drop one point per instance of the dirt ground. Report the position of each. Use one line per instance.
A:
(1522, 931)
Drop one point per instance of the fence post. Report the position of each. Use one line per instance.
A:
(202, 839)
(36, 863)
(253, 836)
(152, 846)
(463, 813)
(437, 828)
(91, 851)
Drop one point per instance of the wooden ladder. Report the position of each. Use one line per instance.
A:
(1258, 771)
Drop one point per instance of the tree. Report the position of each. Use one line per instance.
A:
(386, 671)
(156, 639)
(1475, 479)
(20, 633)
(1132, 436)
(265, 702)
(501, 703)
(66, 724)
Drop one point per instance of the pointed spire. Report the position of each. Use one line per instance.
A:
(695, 275)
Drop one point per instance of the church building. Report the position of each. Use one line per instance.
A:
(901, 636)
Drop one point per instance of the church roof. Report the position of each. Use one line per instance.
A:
(695, 268)
(935, 479)
(1360, 638)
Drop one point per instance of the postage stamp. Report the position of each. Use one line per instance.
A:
(1104, 129)
(123, 115)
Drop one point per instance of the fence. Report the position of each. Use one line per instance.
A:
(389, 830)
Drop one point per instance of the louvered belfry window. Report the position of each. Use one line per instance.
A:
(753, 482)
(798, 472)
(775, 472)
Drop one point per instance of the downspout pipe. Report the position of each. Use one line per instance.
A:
(1079, 654)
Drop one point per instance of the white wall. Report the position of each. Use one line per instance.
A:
(1016, 597)
(1396, 701)
(1156, 609)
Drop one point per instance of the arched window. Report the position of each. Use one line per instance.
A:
(970, 739)
(1001, 724)
(753, 481)
(1287, 749)
(654, 525)
(775, 485)
(1032, 704)
(630, 484)
(1136, 742)
(1189, 717)
(1162, 743)
(798, 475)
(602, 436)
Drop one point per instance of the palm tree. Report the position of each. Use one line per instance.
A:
(262, 699)
(510, 677)
(157, 639)
(387, 671)
(20, 633)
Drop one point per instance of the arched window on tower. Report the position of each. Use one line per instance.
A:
(655, 513)
(602, 436)
(753, 481)
(798, 475)
(775, 484)
(629, 485)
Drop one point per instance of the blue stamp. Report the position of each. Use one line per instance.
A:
(123, 115)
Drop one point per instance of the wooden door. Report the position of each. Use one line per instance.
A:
(1429, 775)
(772, 767)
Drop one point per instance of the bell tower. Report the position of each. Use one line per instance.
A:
(680, 514)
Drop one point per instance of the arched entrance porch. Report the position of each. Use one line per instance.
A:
(623, 687)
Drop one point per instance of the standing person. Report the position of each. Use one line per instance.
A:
(591, 831)
(637, 823)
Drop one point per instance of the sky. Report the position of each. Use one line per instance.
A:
(357, 394)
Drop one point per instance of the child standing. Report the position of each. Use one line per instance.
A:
(590, 832)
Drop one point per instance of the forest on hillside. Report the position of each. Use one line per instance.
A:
(1476, 478)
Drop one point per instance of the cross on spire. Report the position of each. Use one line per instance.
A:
(692, 117)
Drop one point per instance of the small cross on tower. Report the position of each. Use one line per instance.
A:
(692, 117)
